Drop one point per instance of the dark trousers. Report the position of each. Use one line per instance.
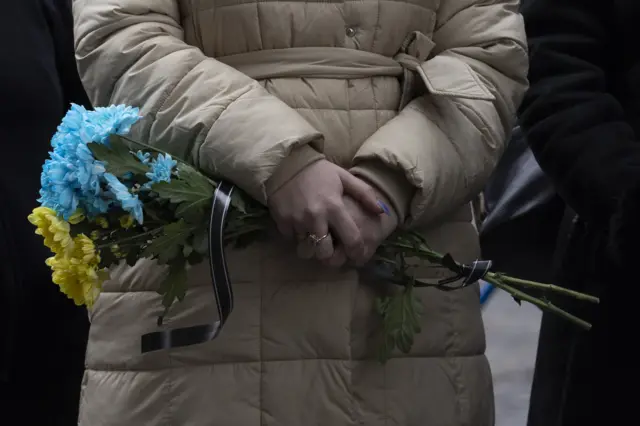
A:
(585, 378)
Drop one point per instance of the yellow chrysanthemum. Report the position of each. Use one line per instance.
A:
(102, 222)
(52, 228)
(85, 251)
(77, 272)
(126, 221)
(65, 276)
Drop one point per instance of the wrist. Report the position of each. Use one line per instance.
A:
(298, 159)
(394, 188)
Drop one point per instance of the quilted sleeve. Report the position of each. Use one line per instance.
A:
(133, 52)
(439, 151)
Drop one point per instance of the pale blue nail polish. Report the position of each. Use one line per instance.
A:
(384, 207)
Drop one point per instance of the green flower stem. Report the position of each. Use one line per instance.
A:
(386, 260)
(542, 304)
(545, 287)
(255, 215)
(421, 251)
(128, 240)
(245, 230)
(424, 252)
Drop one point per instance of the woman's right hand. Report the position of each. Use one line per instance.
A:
(311, 203)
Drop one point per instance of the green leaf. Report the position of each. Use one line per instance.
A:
(173, 288)
(195, 258)
(169, 244)
(386, 348)
(195, 178)
(193, 212)
(401, 321)
(191, 190)
(381, 305)
(118, 158)
(201, 242)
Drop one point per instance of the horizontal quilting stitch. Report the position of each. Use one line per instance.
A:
(344, 110)
(422, 4)
(134, 371)
(273, 25)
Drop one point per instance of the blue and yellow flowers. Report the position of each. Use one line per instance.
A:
(77, 190)
(94, 195)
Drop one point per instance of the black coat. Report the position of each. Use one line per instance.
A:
(581, 117)
(43, 334)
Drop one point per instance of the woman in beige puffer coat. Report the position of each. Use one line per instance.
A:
(414, 98)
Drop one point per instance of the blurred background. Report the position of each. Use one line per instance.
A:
(512, 341)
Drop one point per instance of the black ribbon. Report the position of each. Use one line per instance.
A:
(468, 273)
(194, 335)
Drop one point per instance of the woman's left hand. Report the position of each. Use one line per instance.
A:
(373, 228)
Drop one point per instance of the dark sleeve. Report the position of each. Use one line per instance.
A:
(575, 127)
(59, 16)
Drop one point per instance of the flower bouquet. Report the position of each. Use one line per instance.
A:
(107, 199)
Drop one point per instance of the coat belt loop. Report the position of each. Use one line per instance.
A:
(415, 49)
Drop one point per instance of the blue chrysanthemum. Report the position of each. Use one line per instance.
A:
(100, 123)
(69, 128)
(72, 178)
(161, 168)
(56, 182)
(128, 201)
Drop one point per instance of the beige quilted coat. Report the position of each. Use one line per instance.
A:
(416, 96)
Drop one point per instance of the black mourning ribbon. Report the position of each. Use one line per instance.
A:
(469, 274)
(220, 281)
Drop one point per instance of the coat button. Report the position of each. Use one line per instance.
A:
(351, 32)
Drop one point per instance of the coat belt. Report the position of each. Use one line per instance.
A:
(442, 75)
(314, 62)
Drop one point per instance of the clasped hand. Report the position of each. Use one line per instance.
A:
(334, 216)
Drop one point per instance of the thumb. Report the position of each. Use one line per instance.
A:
(361, 191)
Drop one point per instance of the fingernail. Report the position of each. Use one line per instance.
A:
(384, 207)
